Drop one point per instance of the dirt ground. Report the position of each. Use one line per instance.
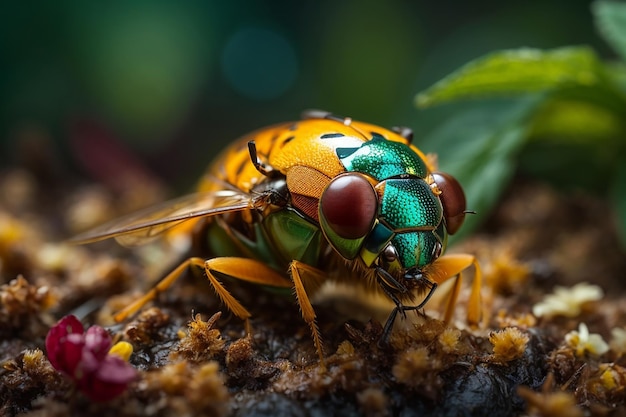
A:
(530, 356)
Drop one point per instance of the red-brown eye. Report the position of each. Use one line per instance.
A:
(349, 205)
(452, 199)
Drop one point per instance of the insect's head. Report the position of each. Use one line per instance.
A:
(388, 210)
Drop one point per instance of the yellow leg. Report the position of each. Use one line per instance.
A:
(240, 268)
(163, 285)
(306, 277)
(303, 278)
(451, 266)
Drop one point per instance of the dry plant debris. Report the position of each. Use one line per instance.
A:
(549, 344)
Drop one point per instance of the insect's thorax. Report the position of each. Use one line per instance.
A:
(277, 234)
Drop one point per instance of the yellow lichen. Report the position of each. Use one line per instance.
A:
(373, 402)
(207, 389)
(608, 377)
(549, 404)
(521, 321)
(11, 231)
(427, 331)
(449, 339)
(414, 365)
(505, 273)
(607, 383)
(345, 348)
(585, 343)
(200, 390)
(508, 344)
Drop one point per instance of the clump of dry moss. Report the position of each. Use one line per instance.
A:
(416, 367)
(22, 306)
(373, 402)
(449, 340)
(26, 377)
(147, 328)
(550, 404)
(505, 273)
(508, 344)
(202, 342)
(182, 388)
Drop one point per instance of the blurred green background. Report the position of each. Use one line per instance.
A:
(175, 81)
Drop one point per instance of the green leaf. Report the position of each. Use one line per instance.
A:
(586, 128)
(616, 72)
(575, 120)
(515, 71)
(479, 147)
(610, 19)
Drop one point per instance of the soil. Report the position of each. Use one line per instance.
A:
(194, 357)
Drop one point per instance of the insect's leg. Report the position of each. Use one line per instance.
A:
(306, 277)
(250, 270)
(384, 338)
(163, 285)
(451, 266)
(401, 308)
(244, 269)
(239, 268)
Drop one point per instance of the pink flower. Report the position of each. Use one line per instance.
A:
(85, 358)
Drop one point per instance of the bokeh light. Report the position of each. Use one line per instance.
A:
(142, 66)
(175, 82)
(259, 63)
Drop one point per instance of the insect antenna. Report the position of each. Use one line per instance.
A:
(258, 163)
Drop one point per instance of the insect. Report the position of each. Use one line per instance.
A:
(324, 198)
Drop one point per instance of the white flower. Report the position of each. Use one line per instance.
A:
(584, 342)
(567, 301)
(618, 340)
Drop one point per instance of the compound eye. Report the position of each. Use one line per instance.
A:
(349, 205)
(452, 199)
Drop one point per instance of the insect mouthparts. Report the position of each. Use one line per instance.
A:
(413, 274)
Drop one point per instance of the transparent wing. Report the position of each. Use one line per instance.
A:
(140, 227)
